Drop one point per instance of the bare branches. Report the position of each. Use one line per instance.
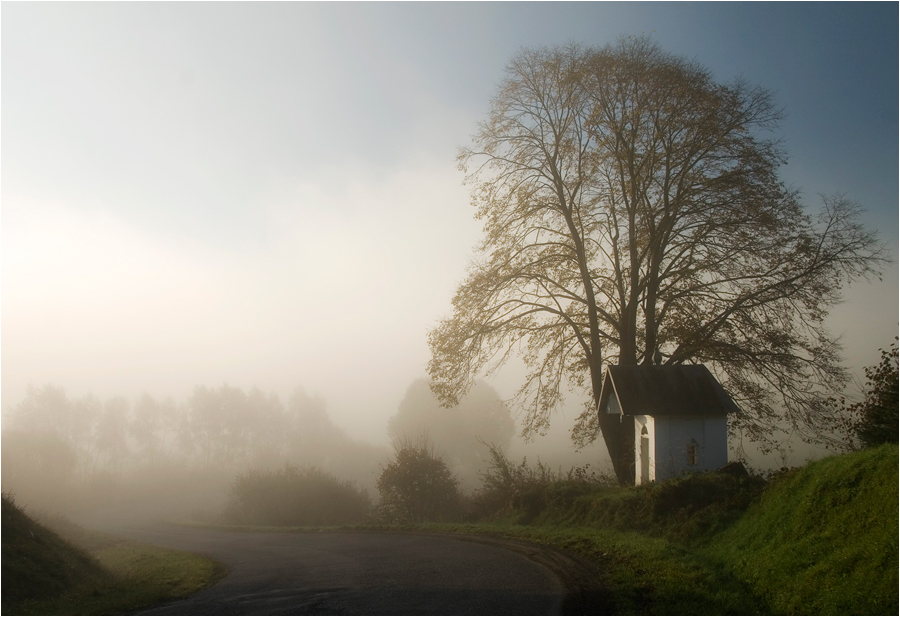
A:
(632, 204)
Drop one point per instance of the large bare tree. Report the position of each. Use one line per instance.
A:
(632, 214)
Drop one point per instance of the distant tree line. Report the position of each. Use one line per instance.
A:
(53, 443)
(247, 457)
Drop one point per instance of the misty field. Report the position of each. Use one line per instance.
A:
(821, 539)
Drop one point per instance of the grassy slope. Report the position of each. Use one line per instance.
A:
(91, 574)
(38, 563)
(823, 539)
(819, 540)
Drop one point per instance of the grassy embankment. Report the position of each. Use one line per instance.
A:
(817, 540)
(78, 572)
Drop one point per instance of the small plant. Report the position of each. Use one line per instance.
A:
(418, 486)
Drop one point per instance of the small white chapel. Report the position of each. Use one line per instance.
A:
(679, 414)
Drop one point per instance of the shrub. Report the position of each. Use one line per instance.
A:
(507, 487)
(692, 507)
(295, 496)
(418, 486)
(878, 417)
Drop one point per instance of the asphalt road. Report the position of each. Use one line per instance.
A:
(366, 573)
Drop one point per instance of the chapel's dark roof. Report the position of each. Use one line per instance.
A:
(665, 390)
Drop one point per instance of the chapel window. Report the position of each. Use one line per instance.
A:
(693, 452)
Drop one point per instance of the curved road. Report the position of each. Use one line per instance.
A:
(338, 573)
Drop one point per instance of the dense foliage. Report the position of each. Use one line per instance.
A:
(685, 507)
(878, 411)
(292, 496)
(527, 490)
(417, 485)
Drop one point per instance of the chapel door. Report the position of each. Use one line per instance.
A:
(645, 455)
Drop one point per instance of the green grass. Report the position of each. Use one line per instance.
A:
(823, 539)
(38, 563)
(686, 509)
(93, 574)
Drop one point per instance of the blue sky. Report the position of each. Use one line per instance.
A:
(267, 194)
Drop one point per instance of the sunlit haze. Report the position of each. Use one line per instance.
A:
(267, 194)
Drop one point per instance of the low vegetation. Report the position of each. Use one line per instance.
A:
(59, 568)
(418, 486)
(817, 540)
(294, 496)
(685, 508)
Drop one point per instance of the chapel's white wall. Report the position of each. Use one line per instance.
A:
(673, 434)
(716, 440)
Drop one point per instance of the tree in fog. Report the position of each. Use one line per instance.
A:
(56, 447)
(47, 409)
(49, 415)
(111, 433)
(633, 214)
(417, 485)
(38, 467)
(459, 434)
(315, 440)
(44, 446)
(217, 425)
(268, 434)
(153, 427)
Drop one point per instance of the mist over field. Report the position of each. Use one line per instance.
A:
(227, 230)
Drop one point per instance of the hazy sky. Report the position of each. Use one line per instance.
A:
(267, 194)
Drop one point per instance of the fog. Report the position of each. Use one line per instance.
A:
(264, 198)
